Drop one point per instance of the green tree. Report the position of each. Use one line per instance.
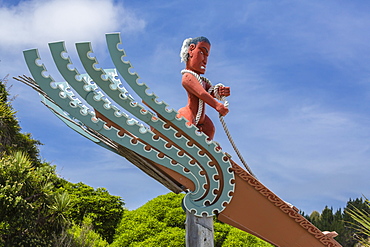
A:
(348, 237)
(34, 213)
(11, 139)
(161, 222)
(326, 220)
(37, 208)
(104, 209)
(25, 218)
(339, 225)
(26, 184)
(172, 236)
(315, 218)
(361, 221)
(137, 226)
(79, 236)
(221, 232)
(238, 238)
(85, 236)
(343, 222)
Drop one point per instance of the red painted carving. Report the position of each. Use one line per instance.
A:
(283, 206)
(196, 52)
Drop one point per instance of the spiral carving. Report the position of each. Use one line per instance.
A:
(113, 114)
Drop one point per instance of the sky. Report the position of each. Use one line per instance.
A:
(299, 73)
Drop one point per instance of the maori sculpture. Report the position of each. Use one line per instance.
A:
(155, 134)
(195, 54)
(175, 148)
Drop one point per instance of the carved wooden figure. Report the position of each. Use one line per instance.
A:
(195, 54)
(166, 144)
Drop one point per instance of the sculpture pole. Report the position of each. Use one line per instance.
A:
(199, 231)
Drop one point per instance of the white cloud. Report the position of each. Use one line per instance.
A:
(37, 22)
(321, 119)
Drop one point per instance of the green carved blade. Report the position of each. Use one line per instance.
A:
(99, 102)
(72, 124)
(123, 67)
(67, 104)
(103, 92)
(107, 85)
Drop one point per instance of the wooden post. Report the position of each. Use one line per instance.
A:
(199, 231)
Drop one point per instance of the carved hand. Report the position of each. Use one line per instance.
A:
(223, 110)
(224, 91)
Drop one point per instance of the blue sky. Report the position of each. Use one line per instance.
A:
(299, 73)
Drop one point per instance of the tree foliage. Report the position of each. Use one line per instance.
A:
(361, 218)
(37, 208)
(161, 222)
(342, 221)
(150, 220)
(11, 139)
(104, 209)
(24, 202)
(84, 235)
(33, 212)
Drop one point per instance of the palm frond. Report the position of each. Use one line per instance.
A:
(362, 223)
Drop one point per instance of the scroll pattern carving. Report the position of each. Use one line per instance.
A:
(283, 206)
(97, 105)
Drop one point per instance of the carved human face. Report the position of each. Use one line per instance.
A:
(198, 57)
